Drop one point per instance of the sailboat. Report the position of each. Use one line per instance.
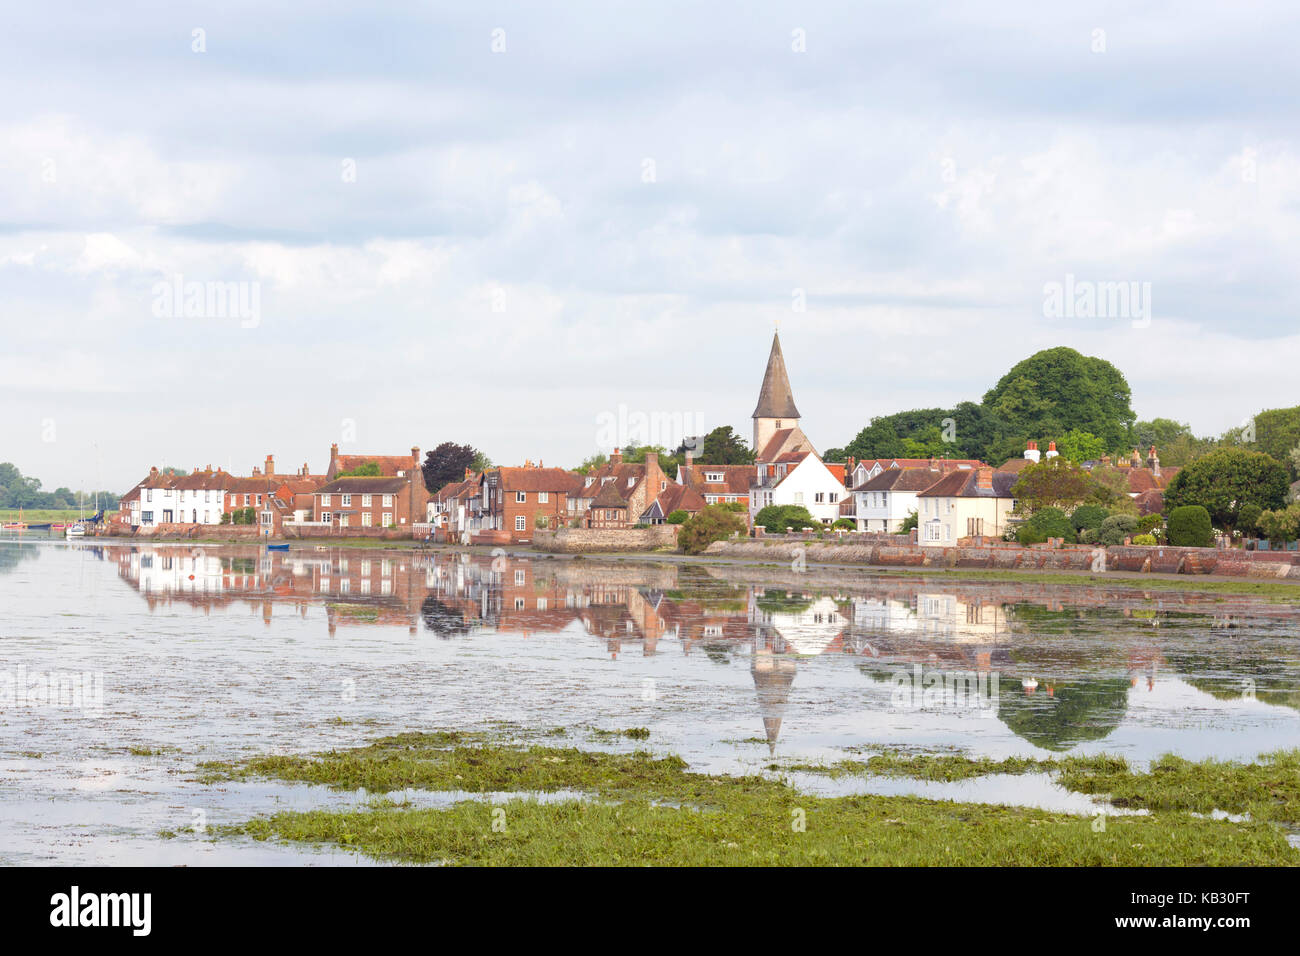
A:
(78, 528)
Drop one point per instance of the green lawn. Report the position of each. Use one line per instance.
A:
(41, 515)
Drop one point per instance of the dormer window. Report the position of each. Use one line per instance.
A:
(713, 476)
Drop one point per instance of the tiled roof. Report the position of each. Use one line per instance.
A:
(965, 484)
(608, 497)
(905, 479)
(539, 479)
(736, 479)
(364, 486)
(389, 465)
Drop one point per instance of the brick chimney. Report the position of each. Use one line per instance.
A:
(1051, 450)
(153, 472)
(654, 475)
(1136, 459)
(690, 458)
(984, 479)
(616, 458)
(1153, 462)
(270, 465)
(256, 470)
(334, 462)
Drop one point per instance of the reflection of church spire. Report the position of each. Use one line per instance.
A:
(773, 675)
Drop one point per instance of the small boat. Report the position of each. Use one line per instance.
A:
(77, 530)
(277, 547)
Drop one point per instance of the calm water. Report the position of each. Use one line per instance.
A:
(216, 652)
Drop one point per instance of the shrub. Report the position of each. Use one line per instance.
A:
(909, 523)
(1279, 525)
(1116, 528)
(1088, 516)
(845, 524)
(1046, 523)
(677, 517)
(714, 523)
(779, 518)
(1146, 540)
(1247, 516)
(1189, 527)
(1150, 524)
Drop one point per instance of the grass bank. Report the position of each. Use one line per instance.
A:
(643, 809)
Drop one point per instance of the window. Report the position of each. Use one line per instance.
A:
(798, 497)
(388, 502)
(713, 476)
(324, 501)
(834, 497)
(521, 496)
(326, 517)
(148, 494)
(820, 497)
(366, 517)
(520, 522)
(388, 518)
(347, 500)
(520, 576)
(365, 501)
(146, 517)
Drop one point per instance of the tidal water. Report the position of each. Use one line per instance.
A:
(124, 665)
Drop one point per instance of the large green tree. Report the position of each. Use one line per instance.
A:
(447, 463)
(723, 446)
(1225, 480)
(1059, 389)
(1054, 483)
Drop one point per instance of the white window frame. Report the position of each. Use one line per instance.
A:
(521, 523)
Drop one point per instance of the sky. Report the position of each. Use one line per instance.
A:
(542, 229)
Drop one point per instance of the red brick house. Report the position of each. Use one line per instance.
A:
(514, 499)
(374, 502)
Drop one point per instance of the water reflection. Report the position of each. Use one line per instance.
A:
(1057, 667)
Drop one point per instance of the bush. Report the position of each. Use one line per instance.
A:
(845, 524)
(1088, 516)
(909, 523)
(1150, 524)
(1280, 524)
(1189, 527)
(1146, 540)
(1247, 516)
(677, 517)
(1116, 528)
(714, 523)
(778, 518)
(1046, 523)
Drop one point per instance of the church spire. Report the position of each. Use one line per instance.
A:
(775, 400)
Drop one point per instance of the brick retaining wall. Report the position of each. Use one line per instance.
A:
(593, 540)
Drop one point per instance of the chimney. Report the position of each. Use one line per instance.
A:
(1051, 450)
(270, 465)
(616, 458)
(153, 472)
(256, 470)
(984, 479)
(1031, 451)
(1153, 462)
(1136, 459)
(690, 458)
(469, 473)
(415, 455)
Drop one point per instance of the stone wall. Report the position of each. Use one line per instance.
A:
(594, 540)
(1157, 559)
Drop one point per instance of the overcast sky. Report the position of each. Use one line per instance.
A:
(496, 223)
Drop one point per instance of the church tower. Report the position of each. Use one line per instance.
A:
(775, 410)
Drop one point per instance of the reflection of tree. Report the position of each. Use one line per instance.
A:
(1233, 674)
(718, 653)
(778, 602)
(1074, 712)
(13, 554)
(444, 621)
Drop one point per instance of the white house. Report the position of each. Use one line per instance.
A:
(884, 502)
(799, 478)
(965, 504)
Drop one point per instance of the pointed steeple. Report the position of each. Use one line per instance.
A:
(776, 400)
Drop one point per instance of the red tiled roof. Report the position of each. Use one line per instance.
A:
(539, 479)
(389, 465)
(905, 479)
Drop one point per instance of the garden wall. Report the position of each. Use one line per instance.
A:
(594, 540)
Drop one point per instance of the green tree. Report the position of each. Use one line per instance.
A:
(910, 523)
(1189, 527)
(713, 523)
(1079, 446)
(677, 517)
(1281, 524)
(1225, 480)
(1053, 483)
(367, 469)
(1043, 524)
(1116, 528)
(844, 524)
(723, 446)
(1059, 389)
(1088, 516)
(780, 518)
